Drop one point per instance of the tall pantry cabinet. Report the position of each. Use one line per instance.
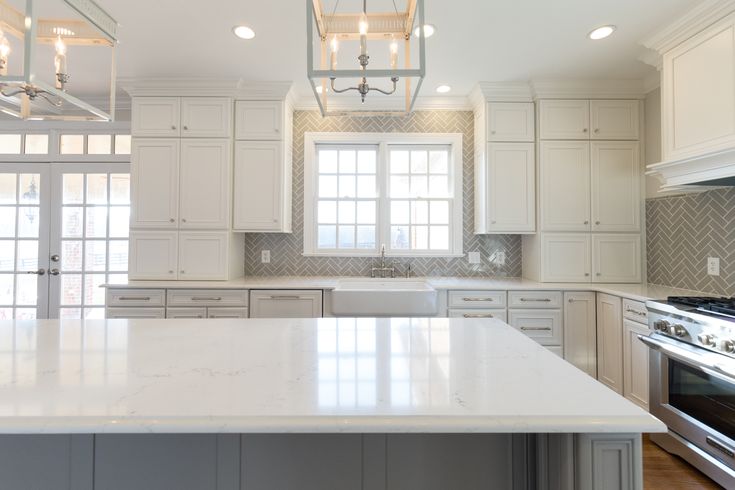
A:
(181, 167)
(589, 193)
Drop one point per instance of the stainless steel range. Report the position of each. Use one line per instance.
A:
(692, 381)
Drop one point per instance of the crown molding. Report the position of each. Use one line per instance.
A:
(210, 87)
(693, 21)
(588, 89)
(502, 92)
(389, 104)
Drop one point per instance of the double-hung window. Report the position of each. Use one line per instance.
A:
(364, 191)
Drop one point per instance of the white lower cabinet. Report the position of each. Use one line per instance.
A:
(206, 312)
(227, 313)
(498, 314)
(285, 304)
(191, 255)
(580, 331)
(610, 341)
(114, 313)
(543, 326)
(635, 363)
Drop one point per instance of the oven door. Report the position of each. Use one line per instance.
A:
(693, 393)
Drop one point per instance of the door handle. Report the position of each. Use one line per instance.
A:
(54, 272)
(39, 272)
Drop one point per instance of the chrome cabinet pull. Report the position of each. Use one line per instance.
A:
(478, 299)
(285, 297)
(639, 313)
(477, 315)
(203, 298)
(224, 316)
(134, 298)
(536, 300)
(535, 328)
(39, 272)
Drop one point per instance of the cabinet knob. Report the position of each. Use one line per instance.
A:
(597, 222)
(170, 272)
(173, 127)
(186, 128)
(599, 274)
(586, 274)
(492, 132)
(586, 222)
(493, 222)
(183, 272)
(584, 130)
(597, 130)
(276, 130)
(183, 220)
(172, 220)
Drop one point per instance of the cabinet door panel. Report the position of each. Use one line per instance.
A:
(616, 186)
(610, 342)
(635, 363)
(614, 119)
(285, 304)
(203, 255)
(580, 331)
(155, 116)
(511, 121)
(566, 258)
(154, 185)
(564, 119)
(258, 120)
(153, 255)
(511, 186)
(565, 186)
(207, 117)
(205, 184)
(616, 258)
(258, 186)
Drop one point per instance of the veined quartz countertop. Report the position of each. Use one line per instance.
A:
(296, 375)
(639, 292)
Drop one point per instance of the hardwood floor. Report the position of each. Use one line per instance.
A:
(664, 471)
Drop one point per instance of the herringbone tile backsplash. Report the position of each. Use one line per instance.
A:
(682, 231)
(286, 249)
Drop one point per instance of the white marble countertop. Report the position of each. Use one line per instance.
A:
(639, 292)
(303, 375)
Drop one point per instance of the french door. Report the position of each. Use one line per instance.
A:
(63, 233)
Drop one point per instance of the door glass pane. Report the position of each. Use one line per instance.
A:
(27, 255)
(72, 144)
(8, 188)
(36, 144)
(99, 144)
(96, 188)
(73, 190)
(28, 222)
(72, 220)
(71, 255)
(7, 221)
(7, 255)
(96, 226)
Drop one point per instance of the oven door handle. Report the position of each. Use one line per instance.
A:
(712, 369)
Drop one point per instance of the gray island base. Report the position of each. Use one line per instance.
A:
(305, 404)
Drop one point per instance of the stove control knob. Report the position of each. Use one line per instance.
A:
(678, 330)
(661, 326)
(707, 339)
(728, 346)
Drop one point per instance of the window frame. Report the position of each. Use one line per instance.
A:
(383, 141)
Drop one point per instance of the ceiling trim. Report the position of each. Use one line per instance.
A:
(502, 92)
(389, 104)
(588, 89)
(209, 87)
(693, 21)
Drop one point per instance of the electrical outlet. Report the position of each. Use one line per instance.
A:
(265, 256)
(713, 266)
(500, 258)
(473, 257)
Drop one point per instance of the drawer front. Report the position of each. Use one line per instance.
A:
(186, 313)
(286, 304)
(227, 313)
(477, 299)
(544, 326)
(207, 297)
(635, 310)
(136, 297)
(501, 315)
(534, 299)
(133, 313)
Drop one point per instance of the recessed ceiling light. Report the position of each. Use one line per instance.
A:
(429, 30)
(601, 32)
(443, 89)
(243, 32)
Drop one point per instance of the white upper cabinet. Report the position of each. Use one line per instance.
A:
(155, 116)
(616, 258)
(511, 121)
(261, 199)
(564, 119)
(206, 117)
(153, 255)
(565, 185)
(154, 183)
(614, 119)
(203, 255)
(511, 188)
(565, 257)
(205, 184)
(259, 120)
(698, 93)
(616, 186)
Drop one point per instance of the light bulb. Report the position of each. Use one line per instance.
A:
(60, 46)
(60, 64)
(4, 52)
(363, 24)
(334, 44)
(393, 54)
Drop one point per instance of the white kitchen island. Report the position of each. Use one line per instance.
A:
(305, 404)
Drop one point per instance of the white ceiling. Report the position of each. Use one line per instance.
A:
(477, 40)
